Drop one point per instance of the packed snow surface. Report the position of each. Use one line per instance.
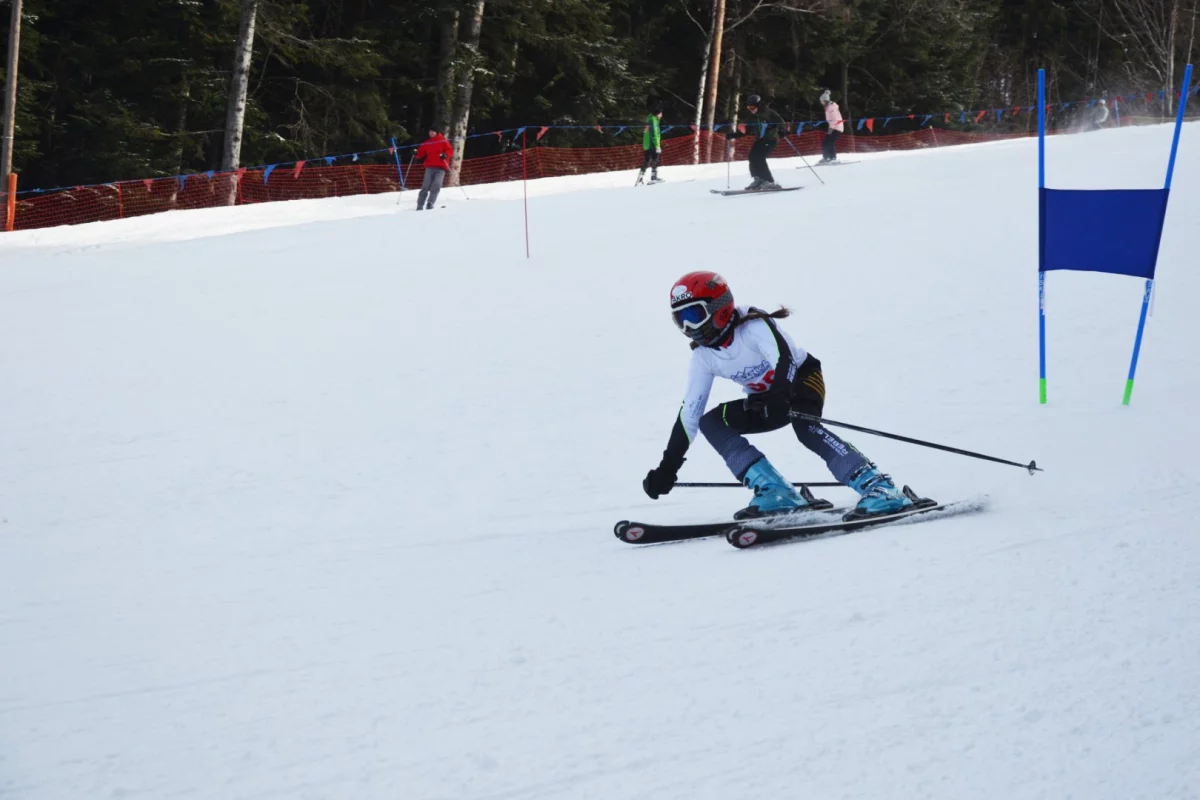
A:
(315, 499)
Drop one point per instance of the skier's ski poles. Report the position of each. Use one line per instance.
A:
(802, 158)
(732, 484)
(1031, 466)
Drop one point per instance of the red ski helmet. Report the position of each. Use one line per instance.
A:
(702, 307)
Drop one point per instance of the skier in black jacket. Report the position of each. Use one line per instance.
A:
(767, 126)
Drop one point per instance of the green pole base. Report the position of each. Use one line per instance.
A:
(1042, 391)
(1128, 392)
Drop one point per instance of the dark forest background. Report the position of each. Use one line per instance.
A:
(140, 88)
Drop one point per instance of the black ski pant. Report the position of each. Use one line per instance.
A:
(829, 145)
(651, 162)
(726, 426)
(758, 159)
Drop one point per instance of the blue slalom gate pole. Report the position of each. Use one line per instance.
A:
(396, 153)
(1183, 98)
(1042, 236)
(1042, 337)
(1137, 341)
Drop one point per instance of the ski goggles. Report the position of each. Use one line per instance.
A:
(691, 316)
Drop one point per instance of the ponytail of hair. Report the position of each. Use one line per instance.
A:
(754, 313)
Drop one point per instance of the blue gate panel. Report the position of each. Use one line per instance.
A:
(1115, 230)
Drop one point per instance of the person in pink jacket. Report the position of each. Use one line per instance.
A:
(833, 115)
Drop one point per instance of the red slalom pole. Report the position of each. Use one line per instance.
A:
(525, 185)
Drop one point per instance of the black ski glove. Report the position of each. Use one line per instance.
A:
(660, 481)
(758, 404)
(768, 404)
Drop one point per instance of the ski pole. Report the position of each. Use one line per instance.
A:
(404, 177)
(802, 158)
(732, 484)
(1031, 466)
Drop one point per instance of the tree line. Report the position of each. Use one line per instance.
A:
(130, 89)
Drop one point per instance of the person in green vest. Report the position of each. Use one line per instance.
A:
(652, 142)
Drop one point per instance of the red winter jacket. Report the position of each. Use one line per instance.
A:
(435, 153)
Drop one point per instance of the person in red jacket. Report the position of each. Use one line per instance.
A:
(435, 154)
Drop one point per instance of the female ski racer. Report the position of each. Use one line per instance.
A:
(745, 345)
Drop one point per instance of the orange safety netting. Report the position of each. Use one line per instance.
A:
(303, 180)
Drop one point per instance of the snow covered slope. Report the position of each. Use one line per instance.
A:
(324, 509)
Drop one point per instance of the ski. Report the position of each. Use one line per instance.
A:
(736, 192)
(649, 533)
(751, 534)
(838, 163)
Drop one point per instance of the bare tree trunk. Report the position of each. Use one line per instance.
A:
(185, 94)
(714, 72)
(735, 99)
(845, 104)
(708, 42)
(1093, 77)
(1192, 35)
(466, 85)
(1169, 94)
(731, 65)
(443, 101)
(10, 96)
(235, 112)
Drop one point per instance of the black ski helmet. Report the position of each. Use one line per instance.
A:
(753, 100)
(655, 106)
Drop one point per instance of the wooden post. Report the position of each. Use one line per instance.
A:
(10, 205)
(525, 186)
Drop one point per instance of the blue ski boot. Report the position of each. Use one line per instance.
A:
(772, 492)
(879, 494)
